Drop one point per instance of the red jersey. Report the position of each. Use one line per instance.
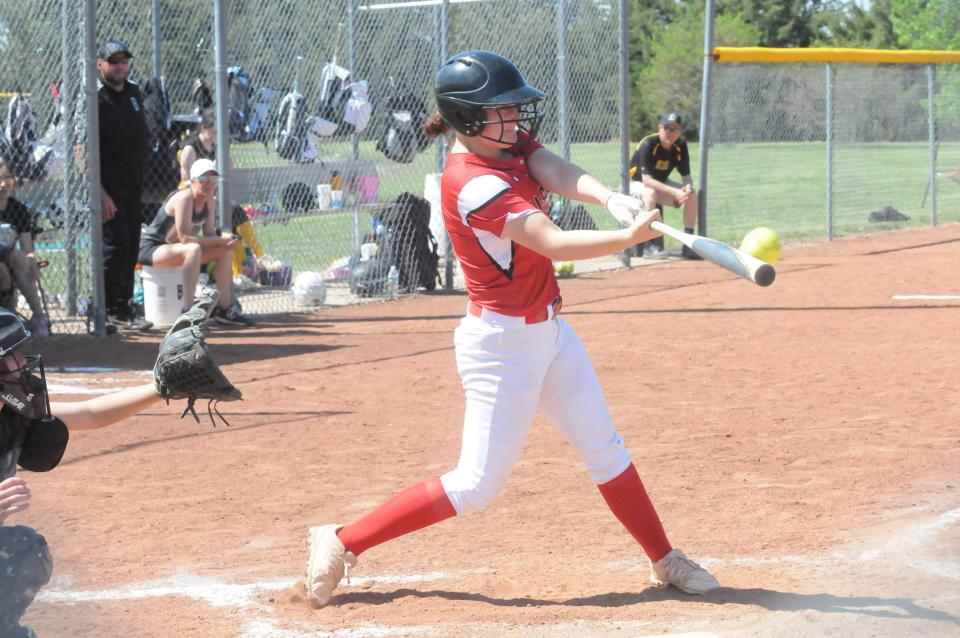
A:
(480, 195)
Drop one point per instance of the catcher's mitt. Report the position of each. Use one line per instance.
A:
(186, 370)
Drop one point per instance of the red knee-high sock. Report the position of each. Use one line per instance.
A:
(414, 508)
(628, 499)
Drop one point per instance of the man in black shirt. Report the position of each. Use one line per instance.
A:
(123, 155)
(656, 157)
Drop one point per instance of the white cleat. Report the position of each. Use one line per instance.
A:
(681, 572)
(327, 560)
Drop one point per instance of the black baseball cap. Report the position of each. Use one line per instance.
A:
(112, 47)
(671, 119)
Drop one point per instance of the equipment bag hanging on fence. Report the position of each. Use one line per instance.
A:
(403, 135)
(292, 125)
(163, 170)
(26, 157)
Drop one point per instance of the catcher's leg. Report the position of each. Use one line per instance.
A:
(25, 567)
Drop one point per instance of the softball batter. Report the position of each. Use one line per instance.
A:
(515, 355)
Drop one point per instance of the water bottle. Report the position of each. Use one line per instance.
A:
(393, 280)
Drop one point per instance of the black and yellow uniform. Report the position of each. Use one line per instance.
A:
(123, 163)
(652, 159)
(200, 151)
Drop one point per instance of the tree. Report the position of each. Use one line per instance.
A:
(781, 23)
(926, 24)
(673, 78)
(848, 24)
(933, 24)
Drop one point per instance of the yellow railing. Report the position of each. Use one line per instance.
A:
(862, 56)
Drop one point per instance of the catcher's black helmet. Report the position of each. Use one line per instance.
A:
(472, 80)
(24, 389)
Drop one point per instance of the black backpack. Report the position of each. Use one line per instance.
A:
(200, 95)
(405, 242)
(292, 125)
(408, 243)
(19, 141)
(239, 92)
(403, 135)
(163, 172)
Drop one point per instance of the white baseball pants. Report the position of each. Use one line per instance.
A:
(509, 371)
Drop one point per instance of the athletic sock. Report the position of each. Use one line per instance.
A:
(629, 502)
(689, 231)
(414, 508)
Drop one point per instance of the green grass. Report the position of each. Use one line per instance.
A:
(777, 185)
(780, 185)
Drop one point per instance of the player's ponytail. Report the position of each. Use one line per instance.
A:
(435, 126)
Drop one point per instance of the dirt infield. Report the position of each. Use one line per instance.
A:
(799, 440)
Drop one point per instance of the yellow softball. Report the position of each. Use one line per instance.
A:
(763, 243)
(563, 268)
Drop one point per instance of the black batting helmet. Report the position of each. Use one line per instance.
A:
(472, 80)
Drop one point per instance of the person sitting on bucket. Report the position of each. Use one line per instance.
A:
(184, 233)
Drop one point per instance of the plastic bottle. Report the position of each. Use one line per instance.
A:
(393, 280)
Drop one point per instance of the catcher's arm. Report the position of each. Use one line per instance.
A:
(105, 410)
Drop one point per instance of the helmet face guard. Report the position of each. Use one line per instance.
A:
(25, 390)
(528, 119)
(471, 81)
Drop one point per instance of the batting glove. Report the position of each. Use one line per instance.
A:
(623, 207)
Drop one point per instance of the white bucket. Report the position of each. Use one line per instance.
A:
(162, 294)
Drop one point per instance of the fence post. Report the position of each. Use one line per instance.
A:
(624, 69)
(563, 139)
(932, 131)
(93, 165)
(704, 143)
(156, 38)
(829, 126)
(68, 102)
(223, 114)
(352, 62)
(442, 144)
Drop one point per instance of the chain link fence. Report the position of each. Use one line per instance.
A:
(330, 180)
(814, 149)
(329, 206)
(41, 77)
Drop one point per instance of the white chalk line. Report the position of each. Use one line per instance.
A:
(222, 594)
(926, 297)
(218, 593)
(94, 369)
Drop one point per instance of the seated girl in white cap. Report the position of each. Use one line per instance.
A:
(184, 233)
